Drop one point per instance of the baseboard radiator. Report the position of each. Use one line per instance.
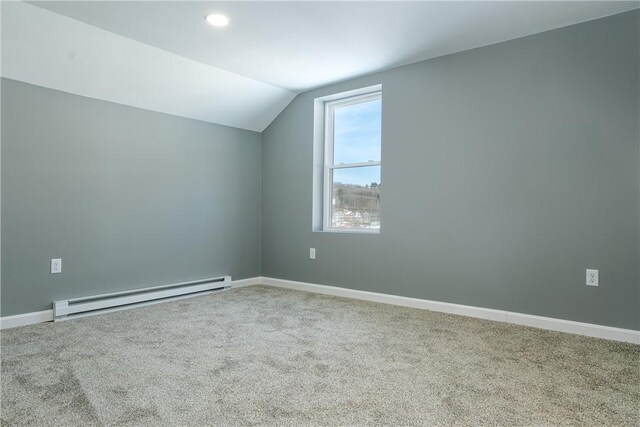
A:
(85, 306)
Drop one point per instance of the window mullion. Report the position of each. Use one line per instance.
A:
(355, 165)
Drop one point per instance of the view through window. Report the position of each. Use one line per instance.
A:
(353, 163)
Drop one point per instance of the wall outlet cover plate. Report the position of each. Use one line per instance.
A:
(592, 277)
(56, 265)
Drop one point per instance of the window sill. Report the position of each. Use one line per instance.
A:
(348, 231)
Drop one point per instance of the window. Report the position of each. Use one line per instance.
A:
(352, 163)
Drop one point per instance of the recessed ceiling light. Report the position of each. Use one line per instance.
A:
(217, 20)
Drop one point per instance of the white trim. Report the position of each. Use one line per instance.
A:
(26, 319)
(339, 100)
(349, 93)
(241, 283)
(319, 131)
(353, 165)
(350, 230)
(549, 323)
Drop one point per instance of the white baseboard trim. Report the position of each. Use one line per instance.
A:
(549, 323)
(26, 319)
(251, 281)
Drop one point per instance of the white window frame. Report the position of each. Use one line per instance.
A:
(329, 166)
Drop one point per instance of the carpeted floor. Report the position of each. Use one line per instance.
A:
(269, 356)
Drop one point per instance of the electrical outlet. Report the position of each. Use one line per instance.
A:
(592, 277)
(312, 253)
(56, 265)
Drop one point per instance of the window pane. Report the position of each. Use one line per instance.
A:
(356, 135)
(356, 198)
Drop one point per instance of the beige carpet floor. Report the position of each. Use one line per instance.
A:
(266, 356)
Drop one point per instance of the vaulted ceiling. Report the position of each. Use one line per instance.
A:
(162, 56)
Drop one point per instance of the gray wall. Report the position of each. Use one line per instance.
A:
(507, 171)
(126, 197)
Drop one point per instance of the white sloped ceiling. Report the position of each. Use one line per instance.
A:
(162, 56)
(51, 50)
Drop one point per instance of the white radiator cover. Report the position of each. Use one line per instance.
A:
(80, 307)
